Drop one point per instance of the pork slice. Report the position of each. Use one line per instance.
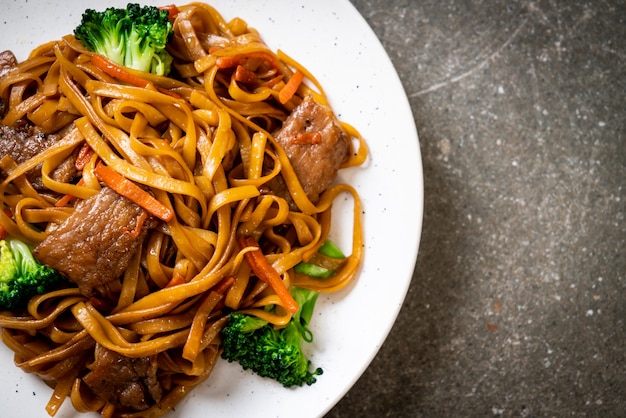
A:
(25, 141)
(315, 145)
(130, 383)
(95, 244)
(7, 62)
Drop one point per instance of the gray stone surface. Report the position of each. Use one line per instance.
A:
(517, 306)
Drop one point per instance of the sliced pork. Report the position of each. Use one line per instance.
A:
(130, 383)
(7, 62)
(95, 244)
(25, 141)
(315, 144)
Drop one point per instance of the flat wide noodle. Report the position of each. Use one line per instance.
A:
(202, 143)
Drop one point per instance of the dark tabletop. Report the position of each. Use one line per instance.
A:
(517, 307)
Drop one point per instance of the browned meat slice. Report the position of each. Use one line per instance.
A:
(23, 142)
(130, 383)
(315, 144)
(7, 62)
(95, 244)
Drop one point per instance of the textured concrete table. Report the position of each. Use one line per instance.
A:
(517, 306)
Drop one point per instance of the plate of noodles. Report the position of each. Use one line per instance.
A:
(212, 151)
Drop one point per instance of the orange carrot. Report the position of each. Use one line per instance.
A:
(264, 271)
(83, 157)
(117, 71)
(62, 202)
(132, 192)
(176, 279)
(244, 75)
(224, 285)
(140, 221)
(287, 92)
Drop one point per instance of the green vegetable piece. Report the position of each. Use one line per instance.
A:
(273, 352)
(135, 37)
(313, 270)
(22, 276)
(329, 249)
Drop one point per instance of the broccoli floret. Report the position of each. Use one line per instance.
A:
(134, 37)
(21, 276)
(273, 352)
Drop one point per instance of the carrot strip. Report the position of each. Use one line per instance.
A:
(244, 75)
(264, 271)
(287, 92)
(65, 200)
(176, 279)
(140, 221)
(84, 155)
(224, 285)
(134, 193)
(117, 71)
(229, 61)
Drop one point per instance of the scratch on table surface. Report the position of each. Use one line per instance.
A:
(477, 67)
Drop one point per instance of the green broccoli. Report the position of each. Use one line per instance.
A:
(324, 264)
(134, 37)
(21, 276)
(273, 352)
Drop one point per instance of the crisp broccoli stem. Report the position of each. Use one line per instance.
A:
(23, 256)
(135, 37)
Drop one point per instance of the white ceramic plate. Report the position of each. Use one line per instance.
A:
(333, 41)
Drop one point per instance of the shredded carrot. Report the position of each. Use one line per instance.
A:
(172, 11)
(244, 75)
(84, 155)
(176, 279)
(134, 193)
(224, 285)
(117, 71)
(141, 219)
(287, 92)
(264, 271)
(65, 200)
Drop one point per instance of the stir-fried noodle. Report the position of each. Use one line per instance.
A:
(203, 145)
